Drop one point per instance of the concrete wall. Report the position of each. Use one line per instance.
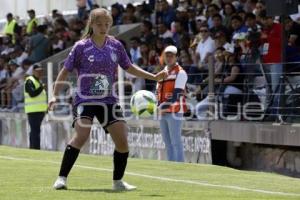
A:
(278, 159)
(144, 138)
(248, 145)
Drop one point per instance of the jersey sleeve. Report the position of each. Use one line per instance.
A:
(123, 59)
(72, 59)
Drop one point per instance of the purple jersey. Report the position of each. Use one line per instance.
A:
(97, 69)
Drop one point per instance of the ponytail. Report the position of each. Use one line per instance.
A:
(88, 32)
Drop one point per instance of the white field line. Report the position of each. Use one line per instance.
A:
(230, 187)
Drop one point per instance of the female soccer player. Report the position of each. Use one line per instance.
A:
(96, 58)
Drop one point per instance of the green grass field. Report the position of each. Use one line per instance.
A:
(29, 175)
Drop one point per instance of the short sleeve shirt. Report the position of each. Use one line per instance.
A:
(97, 69)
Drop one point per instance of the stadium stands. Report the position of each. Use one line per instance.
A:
(244, 26)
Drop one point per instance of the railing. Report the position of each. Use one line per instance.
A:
(257, 95)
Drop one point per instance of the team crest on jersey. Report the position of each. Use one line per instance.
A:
(91, 58)
(100, 85)
(113, 57)
(79, 110)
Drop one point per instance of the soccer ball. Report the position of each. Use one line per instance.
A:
(143, 103)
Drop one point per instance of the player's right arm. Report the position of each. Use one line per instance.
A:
(62, 76)
(70, 63)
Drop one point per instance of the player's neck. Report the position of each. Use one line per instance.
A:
(99, 40)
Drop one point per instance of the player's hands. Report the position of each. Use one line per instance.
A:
(51, 103)
(161, 75)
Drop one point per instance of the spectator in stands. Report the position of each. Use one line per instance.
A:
(57, 42)
(4, 75)
(8, 46)
(272, 59)
(11, 27)
(146, 33)
(185, 60)
(220, 39)
(32, 23)
(228, 12)
(172, 107)
(166, 14)
(182, 17)
(212, 10)
(228, 79)
(149, 62)
(117, 12)
(18, 90)
(192, 28)
(19, 55)
(205, 48)
(35, 105)
(200, 20)
(180, 36)
(292, 57)
(136, 58)
(163, 31)
(159, 45)
(129, 14)
(260, 7)
(205, 4)
(237, 25)
(218, 26)
(10, 83)
(83, 11)
(251, 23)
(292, 31)
(39, 45)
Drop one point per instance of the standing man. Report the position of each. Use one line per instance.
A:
(11, 27)
(172, 105)
(35, 104)
(32, 23)
(272, 60)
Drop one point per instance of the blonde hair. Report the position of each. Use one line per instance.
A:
(95, 15)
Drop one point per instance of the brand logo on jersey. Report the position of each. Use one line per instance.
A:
(91, 58)
(113, 56)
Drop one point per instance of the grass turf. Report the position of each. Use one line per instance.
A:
(29, 175)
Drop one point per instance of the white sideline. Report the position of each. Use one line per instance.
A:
(231, 187)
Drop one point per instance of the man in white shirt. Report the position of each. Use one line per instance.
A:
(163, 31)
(205, 48)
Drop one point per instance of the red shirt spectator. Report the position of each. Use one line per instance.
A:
(272, 47)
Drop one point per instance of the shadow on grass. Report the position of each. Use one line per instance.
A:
(95, 190)
(152, 195)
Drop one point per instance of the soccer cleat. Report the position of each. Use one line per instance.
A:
(60, 183)
(120, 185)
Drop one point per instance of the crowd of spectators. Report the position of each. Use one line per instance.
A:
(236, 35)
(240, 31)
(22, 45)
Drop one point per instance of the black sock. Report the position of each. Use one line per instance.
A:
(120, 162)
(68, 161)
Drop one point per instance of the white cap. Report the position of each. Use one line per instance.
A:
(181, 9)
(201, 18)
(228, 48)
(239, 36)
(171, 49)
